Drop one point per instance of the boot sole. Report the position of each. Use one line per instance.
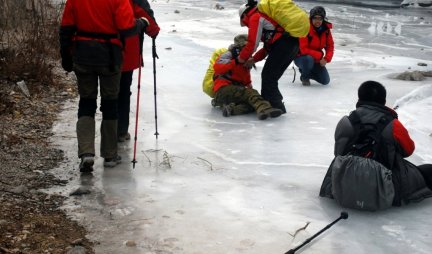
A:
(275, 114)
(263, 117)
(111, 164)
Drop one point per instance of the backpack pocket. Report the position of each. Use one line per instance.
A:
(361, 183)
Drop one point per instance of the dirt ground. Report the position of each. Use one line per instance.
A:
(31, 221)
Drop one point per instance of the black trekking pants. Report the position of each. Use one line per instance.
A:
(426, 171)
(282, 53)
(124, 102)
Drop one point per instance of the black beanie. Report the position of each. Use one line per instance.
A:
(317, 11)
(372, 91)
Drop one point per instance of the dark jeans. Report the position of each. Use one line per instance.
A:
(282, 53)
(124, 102)
(311, 70)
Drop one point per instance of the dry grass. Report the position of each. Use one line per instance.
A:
(29, 39)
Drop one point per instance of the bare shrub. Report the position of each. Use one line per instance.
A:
(29, 39)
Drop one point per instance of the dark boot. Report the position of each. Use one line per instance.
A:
(270, 112)
(87, 162)
(215, 104)
(279, 105)
(305, 82)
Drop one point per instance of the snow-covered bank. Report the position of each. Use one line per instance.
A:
(416, 3)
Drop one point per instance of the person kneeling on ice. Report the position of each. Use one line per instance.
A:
(311, 59)
(232, 85)
(369, 171)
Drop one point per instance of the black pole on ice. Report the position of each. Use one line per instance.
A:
(344, 215)
(154, 83)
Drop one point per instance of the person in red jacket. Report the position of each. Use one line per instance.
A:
(233, 88)
(411, 183)
(316, 50)
(91, 36)
(132, 60)
(279, 47)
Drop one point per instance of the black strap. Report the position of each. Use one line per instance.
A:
(227, 77)
(364, 132)
(94, 35)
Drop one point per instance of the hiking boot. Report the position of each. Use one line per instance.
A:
(112, 162)
(270, 112)
(124, 137)
(213, 103)
(262, 115)
(87, 162)
(227, 109)
(305, 82)
(279, 105)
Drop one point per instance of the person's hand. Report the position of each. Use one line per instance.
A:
(323, 62)
(249, 63)
(67, 62)
(143, 24)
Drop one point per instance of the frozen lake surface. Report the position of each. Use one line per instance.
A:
(220, 185)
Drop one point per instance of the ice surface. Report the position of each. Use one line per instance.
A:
(211, 184)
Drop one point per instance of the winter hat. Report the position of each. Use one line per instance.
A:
(317, 11)
(372, 91)
(240, 40)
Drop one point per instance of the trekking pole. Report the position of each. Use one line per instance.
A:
(344, 215)
(294, 74)
(154, 83)
(136, 114)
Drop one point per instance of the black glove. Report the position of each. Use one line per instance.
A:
(142, 24)
(67, 62)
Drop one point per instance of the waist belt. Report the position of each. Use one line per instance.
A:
(94, 35)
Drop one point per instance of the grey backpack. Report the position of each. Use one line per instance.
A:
(358, 178)
(361, 183)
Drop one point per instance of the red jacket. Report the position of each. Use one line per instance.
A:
(314, 43)
(92, 30)
(261, 28)
(133, 45)
(227, 72)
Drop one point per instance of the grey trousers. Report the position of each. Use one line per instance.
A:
(108, 80)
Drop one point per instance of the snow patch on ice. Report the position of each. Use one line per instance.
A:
(414, 96)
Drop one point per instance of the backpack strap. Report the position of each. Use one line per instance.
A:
(367, 136)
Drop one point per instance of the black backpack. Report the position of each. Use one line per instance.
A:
(359, 178)
(367, 142)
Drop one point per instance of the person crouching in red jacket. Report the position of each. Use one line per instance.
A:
(312, 60)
